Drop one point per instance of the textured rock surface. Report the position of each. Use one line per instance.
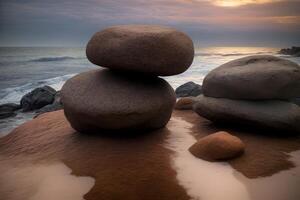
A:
(188, 89)
(156, 50)
(271, 114)
(56, 105)
(102, 99)
(38, 98)
(185, 103)
(218, 146)
(254, 77)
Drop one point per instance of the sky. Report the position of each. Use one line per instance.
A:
(269, 23)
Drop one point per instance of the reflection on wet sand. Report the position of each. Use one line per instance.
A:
(282, 185)
(202, 179)
(42, 182)
(218, 180)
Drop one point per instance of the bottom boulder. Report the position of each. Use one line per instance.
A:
(273, 114)
(218, 146)
(104, 99)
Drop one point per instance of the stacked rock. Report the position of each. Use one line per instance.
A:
(254, 91)
(127, 95)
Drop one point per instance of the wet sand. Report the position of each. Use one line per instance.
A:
(136, 167)
(141, 166)
(42, 182)
(266, 151)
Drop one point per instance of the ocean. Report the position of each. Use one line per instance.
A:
(25, 68)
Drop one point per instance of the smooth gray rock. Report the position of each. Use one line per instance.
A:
(156, 50)
(189, 89)
(274, 114)
(104, 99)
(254, 77)
(38, 98)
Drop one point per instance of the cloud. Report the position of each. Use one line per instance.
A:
(74, 20)
(234, 3)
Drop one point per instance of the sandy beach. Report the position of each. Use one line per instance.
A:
(143, 166)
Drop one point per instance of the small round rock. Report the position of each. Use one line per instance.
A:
(151, 49)
(104, 99)
(185, 103)
(218, 146)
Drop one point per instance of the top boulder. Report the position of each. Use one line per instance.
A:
(254, 77)
(156, 50)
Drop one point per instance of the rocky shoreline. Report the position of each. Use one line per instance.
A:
(116, 123)
(40, 100)
(293, 51)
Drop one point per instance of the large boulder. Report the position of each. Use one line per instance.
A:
(103, 99)
(156, 50)
(218, 146)
(8, 110)
(189, 89)
(38, 98)
(274, 114)
(254, 77)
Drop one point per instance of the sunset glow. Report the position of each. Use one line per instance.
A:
(216, 22)
(236, 3)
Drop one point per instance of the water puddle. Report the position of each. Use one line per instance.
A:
(201, 179)
(45, 182)
(282, 185)
(218, 180)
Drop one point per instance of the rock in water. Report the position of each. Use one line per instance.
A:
(294, 51)
(38, 98)
(156, 50)
(218, 146)
(189, 89)
(49, 108)
(185, 103)
(8, 110)
(103, 99)
(56, 105)
(254, 77)
(274, 114)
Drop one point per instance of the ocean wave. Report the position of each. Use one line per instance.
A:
(51, 59)
(14, 94)
(231, 54)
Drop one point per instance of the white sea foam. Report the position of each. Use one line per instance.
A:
(14, 94)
